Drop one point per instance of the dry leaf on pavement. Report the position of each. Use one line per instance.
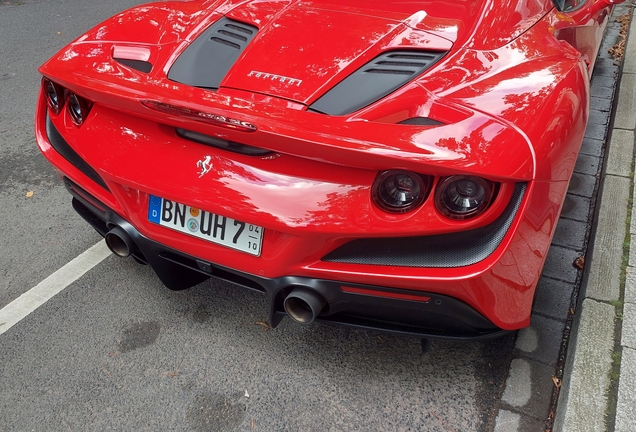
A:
(579, 262)
(264, 324)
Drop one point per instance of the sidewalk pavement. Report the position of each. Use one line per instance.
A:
(603, 344)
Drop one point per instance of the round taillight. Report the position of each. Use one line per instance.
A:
(54, 95)
(463, 197)
(77, 108)
(397, 191)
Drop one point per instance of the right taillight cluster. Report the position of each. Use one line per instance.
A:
(57, 97)
(457, 197)
(463, 197)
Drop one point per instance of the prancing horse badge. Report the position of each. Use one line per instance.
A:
(205, 165)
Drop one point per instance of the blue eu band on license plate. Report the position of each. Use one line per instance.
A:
(205, 225)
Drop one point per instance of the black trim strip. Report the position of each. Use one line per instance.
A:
(63, 148)
(221, 143)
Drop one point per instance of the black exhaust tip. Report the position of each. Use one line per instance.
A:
(304, 305)
(119, 242)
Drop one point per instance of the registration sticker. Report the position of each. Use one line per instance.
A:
(205, 225)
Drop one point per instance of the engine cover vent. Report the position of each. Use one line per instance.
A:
(381, 76)
(209, 58)
(421, 121)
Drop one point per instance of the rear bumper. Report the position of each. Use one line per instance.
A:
(486, 297)
(421, 314)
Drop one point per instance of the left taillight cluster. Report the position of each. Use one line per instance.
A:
(397, 191)
(57, 97)
(456, 197)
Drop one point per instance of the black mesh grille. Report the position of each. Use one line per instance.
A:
(209, 58)
(59, 143)
(440, 251)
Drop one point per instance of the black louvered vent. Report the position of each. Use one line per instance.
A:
(400, 63)
(209, 58)
(421, 121)
(381, 76)
(234, 35)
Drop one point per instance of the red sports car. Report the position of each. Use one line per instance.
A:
(388, 164)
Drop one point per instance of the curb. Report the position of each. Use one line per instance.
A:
(585, 399)
(534, 383)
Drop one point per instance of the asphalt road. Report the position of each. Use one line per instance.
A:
(118, 351)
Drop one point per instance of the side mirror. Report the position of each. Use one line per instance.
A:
(592, 6)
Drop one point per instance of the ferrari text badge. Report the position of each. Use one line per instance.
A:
(273, 77)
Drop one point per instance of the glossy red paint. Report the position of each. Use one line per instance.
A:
(511, 96)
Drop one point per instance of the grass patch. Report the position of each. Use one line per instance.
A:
(612, 397)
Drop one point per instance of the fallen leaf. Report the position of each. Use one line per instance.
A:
(556, 381)
(264, 324)
(29, 194)
(579, 262)
(59, 33)
(450, 429)
(572, 311)
(618, 50)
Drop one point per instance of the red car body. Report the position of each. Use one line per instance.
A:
(505, 98)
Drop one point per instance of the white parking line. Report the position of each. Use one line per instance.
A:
(19, 308)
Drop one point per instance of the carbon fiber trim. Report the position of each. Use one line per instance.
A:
(438, 251)
(63, 148)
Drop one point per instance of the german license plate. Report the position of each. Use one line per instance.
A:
(205, 225)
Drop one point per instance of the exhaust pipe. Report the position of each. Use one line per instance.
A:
(304, 305)
(119, 242)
